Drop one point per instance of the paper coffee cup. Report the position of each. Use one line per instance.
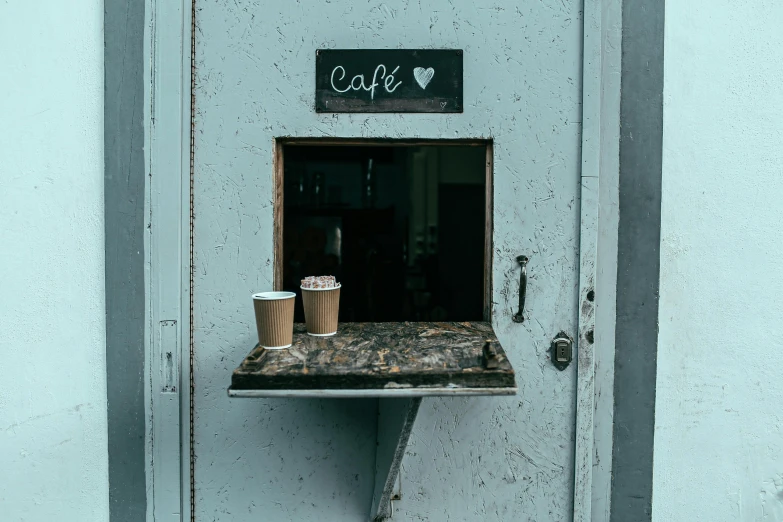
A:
(274, 319)
(321, 309)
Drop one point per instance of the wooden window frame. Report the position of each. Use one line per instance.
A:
(279, 170)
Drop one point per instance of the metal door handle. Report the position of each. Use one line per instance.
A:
(518, 317)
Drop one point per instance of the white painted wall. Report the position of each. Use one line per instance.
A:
(719, 405)
(53, 433)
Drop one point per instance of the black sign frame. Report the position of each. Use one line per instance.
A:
(389, 80)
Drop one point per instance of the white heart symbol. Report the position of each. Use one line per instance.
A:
(423, 76)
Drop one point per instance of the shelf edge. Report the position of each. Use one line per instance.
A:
(373, 392)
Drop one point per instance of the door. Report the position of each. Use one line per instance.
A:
(482, 458)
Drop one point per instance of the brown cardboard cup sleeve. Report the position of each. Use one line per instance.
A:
(321, 309)
(274, 319)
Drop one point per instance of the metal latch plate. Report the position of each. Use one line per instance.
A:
(561, 351)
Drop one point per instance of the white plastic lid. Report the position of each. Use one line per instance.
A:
(274, 295)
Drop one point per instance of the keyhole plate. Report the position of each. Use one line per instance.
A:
(561, 351)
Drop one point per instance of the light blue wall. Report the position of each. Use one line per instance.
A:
(53, 449)
(719, 419)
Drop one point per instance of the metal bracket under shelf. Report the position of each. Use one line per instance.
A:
(397, 363)
(395, 424)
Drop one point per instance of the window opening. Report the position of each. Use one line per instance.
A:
(402, 227)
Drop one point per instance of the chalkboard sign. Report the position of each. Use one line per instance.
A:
(388, 80)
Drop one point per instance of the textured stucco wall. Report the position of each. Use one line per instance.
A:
(719, 419)
(53, 450)
(482, 458)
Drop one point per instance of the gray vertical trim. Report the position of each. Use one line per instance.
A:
(606, 266)
(638, 260)
(124, 217)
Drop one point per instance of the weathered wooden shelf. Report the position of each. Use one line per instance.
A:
(380, 360)
(399, 363)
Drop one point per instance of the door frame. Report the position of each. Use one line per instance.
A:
(168, 46)
(168, 79)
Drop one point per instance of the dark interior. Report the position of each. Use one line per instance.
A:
(401, 227)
